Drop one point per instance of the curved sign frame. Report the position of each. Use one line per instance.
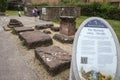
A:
(95, 51)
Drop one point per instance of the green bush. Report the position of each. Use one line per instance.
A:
(114, 14)
(105, 10)
(3, 5)
(40, 4)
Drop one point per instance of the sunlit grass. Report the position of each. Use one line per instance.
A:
(9, 12)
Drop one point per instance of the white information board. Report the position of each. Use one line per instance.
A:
(95, 51)
(43, 10)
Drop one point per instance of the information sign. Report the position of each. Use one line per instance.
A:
(43, 10)
(95, 51)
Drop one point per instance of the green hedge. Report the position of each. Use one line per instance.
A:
(40, 4)
(114, 14)
(3, 5)
(105, 10)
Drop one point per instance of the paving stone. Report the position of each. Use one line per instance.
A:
(38, 27)
(55, 28)
(49, 24)
(33, 39)
(43, 26)
(6, 28)
(23, 29)
(46, 31)
(54, 59)
(63, 38)
(15, 23)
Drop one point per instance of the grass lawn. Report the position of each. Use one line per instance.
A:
(116, 26)
(9, 12)
(114, 23)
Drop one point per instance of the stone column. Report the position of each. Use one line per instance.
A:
(67, 25)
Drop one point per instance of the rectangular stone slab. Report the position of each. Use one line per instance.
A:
(23, 29)
(53, 58)
(14, 23)
(33, 39)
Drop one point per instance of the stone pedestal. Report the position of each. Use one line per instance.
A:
(67, 25)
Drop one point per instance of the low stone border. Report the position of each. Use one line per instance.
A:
(43, 26)
(33, 39)
(14, 23)
(55, 28)
(63, 38)
(54, 59)
(22, 29)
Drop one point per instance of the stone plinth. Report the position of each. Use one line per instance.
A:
(67, 25)
(14, 23)
(23, 29)
(63, 38)
(33, 39)
(53, 58)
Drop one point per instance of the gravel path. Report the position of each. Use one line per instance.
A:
(12, 64)
(21, 62)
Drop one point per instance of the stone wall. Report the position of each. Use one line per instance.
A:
(55, 12)
(28, 10)
(52, 13)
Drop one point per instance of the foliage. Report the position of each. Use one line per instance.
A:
(40, 4)
(23, 42)
(11, 12)
(116, 26)
(80, 20)
(3, 5)
(114, 14)
(105, 10)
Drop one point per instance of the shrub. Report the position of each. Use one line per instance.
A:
(114, 14)
(3, 5)
(105, 10)
(40, 4)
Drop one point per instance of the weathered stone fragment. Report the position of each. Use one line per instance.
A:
(14, 23)
(63, 38)
(49, 24)
(23, 29)
(55, 28)
(53, 58)
(44, 26)
(46, 31)
(33, 39)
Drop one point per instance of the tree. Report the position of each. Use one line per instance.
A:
(3, 5)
